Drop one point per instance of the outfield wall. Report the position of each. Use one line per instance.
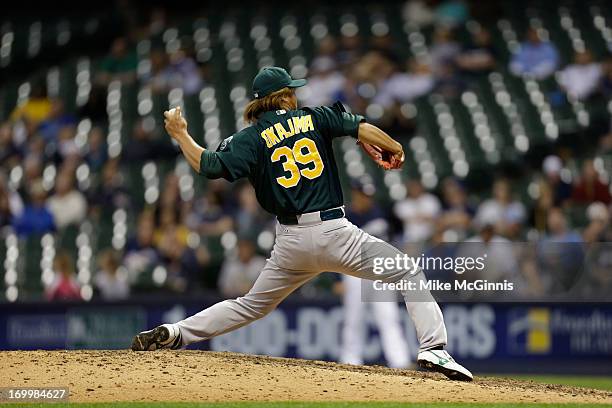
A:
(501, 337)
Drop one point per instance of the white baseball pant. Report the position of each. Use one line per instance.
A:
(300, 253)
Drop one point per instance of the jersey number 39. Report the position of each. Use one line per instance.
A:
(304, 152)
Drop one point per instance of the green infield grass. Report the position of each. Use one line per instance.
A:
(601, 383)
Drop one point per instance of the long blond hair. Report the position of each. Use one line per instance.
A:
(281, 99)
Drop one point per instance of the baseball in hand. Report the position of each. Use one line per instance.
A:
(174, 122)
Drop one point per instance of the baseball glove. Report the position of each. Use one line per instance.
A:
(383, 158)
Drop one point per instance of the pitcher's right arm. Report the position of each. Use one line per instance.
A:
(200, 159)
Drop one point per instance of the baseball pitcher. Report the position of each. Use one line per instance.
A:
(287, 156)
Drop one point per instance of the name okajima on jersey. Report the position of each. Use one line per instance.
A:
(288, 157)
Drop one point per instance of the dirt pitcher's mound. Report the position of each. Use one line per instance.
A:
(94, 376)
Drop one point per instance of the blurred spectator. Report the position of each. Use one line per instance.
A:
(607, 79)
(111, 281)
(544, 203)
(110, 193)
(479, 57)
(158, 21)
(36, 217)
(6, 215)
(350, 50)
(365, 212)
(438, 247)
(212, 215)
(561, 189)
(183, 73)
(387, 46)
(600, 278)
(11, 205)
(598, 235)
(168, 231)
(66, 145)
(418, 13)
(170, 239)
(451, 13)
(560, 254)
(457, 213)
(350, 93)
(177, 71)
(97, 152)
(501, 262)
(64, 285)
(448, 82)
(417, 212)
(403, 87)
(327, 47)
(364, 77)
(535, 57)
(502, 211)
(240, 271)
(50, 128)
(170, 197)
(35, 109)
(444, 50)
(36, 148)
(589, 188)
(9, 153)
(582, 78)
(120, 64)
(156, 78)
(32, 170)
(372, 69)
(68, 205)
(558, 230)
(323, 85)
(599, 220)
(194, 265)
(249, 217)
(140, 252)
(142, 146)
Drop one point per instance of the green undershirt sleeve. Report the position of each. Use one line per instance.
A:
(210, 165)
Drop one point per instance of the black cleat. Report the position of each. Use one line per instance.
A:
(165, 336)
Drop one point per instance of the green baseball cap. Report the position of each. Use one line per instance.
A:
(272, 79)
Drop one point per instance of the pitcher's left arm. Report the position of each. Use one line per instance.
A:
(386, 152)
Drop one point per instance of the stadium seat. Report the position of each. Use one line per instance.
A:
(29, 281)
(66, 240)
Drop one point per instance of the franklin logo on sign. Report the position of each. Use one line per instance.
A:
(529, 331)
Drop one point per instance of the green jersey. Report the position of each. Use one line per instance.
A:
(288, 158)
